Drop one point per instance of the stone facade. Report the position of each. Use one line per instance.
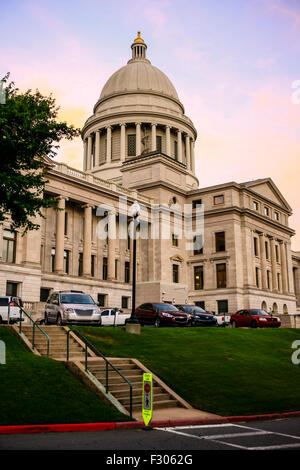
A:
(139, 145)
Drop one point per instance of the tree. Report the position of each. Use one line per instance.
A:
(29, 131)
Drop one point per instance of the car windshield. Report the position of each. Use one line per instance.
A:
(192, 309)
(259, 312)
(161, 307)
(76, 299)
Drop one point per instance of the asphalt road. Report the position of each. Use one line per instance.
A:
(267, 435)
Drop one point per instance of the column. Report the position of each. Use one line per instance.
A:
(87, 240)
(188, 153)
(111, 245)
(123, 142)
(168, 140)
(137, 138)
(192, 153)
(179, 146)
(89, 152)
(273, 265)
(108, 144)
(283, 268)
(153, 137)
(97, 148)
(263, 261)
(60, 236)
(84, 155)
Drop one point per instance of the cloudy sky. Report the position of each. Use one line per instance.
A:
(234, 63)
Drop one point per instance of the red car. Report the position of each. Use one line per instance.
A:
(254, 318)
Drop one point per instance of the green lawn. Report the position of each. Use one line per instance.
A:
(40, 390)
(224, 371)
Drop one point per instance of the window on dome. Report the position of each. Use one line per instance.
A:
(175, 150)
(158, 143)
(131, 145)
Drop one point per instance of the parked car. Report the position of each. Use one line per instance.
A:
(222, 319)
(10, 306)
(113, 316)
(74, 307)
(161, 314)
(254, 318)
(199, 317)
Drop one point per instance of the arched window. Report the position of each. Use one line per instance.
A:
(285, 309)
(264, 306)
(275, 308)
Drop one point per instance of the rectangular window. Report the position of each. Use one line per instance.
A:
(257, 277)
(80, 264)
(267, 249)
(116, 269)
(266, 211)
(9, 246)
(66, 261)
(277, 253)
(93, 264)
(269, 279)
(125, 302)
(222, 306)
(175, 273)
(221, 275)
(255, 240)
(11, 289)
(220, 241)
(255, 205)
(127, 272)
(158, 143)
(276, 216)
(44, 294)
(198, 278)
(198, 245)
(279, 281)
(131, 144)
(104, 269)
(66, 223)
(101, 299)
(174, 239)
(175, 150)
(196, 202)
(219, 199)
(200, 304)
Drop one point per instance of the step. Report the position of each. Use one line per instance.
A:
(125, 392)
(136, 399)
(112, 373)
(156, 405)
(102, 367)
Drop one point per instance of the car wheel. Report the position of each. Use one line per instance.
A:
(59, 320)
(157, 323)
(233, 324)
(46, 319)
(253, 324)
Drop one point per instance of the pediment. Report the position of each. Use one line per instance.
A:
(268, 190)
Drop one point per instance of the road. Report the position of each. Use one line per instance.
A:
(267, 435)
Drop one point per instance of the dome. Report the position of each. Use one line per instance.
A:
(139, 76)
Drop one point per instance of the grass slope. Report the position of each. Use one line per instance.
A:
(40, 390)
(225, 371)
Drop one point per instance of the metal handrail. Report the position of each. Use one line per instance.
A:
(33, 328)
(107, 362)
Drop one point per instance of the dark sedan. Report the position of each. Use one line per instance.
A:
(161, 314)
(199, 316)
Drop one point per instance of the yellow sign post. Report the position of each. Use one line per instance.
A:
(147, 398)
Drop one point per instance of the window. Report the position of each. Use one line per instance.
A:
(44, 294)
(277, 253)
(52, 259)
(279, 281)
(257, 277)
(219, 199)
(9, 246)
(127, 272)
(116, 269)
(131, 141)
(93, 264)
(11, 289)
(198, 245)
(267, 249)
(255, 205)
(175, 150)
(269, 279)
(220, 241)
(66, 223)
(266, 211)
(104, 269)
(196, 202)
(158, 143)
(66, 261)
(276, 216)
(222, 306)
(125, 302)
(255, 240)
(174, 239)
(221, 275)
(200, 304)
(175, 273)
(80, 264)
(101, 298)
(198, 278)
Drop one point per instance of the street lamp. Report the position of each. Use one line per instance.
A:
(132, 324)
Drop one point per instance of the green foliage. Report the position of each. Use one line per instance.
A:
(29, 132)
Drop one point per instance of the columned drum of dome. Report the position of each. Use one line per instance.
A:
(138, 113)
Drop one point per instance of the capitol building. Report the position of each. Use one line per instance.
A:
(139, 145)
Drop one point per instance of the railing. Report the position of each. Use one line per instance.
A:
(34, 325)
(107, 363)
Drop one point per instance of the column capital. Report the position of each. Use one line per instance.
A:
(122, 124)
(138, 123)
(87, 205)
(108, 127)
(153, 123)
(60, 197)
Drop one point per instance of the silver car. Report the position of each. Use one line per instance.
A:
(74, 307)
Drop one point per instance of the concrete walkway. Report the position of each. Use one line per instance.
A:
(176, 413)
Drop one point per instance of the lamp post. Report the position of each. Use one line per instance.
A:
(132, 324)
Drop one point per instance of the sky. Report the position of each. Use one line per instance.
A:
(234, 63)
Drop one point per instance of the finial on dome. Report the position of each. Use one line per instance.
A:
(139, 39)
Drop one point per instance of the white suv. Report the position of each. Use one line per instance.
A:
(10, 306)
(74, 307)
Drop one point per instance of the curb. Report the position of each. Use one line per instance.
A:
(43, 428)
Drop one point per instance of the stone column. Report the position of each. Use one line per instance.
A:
(168, 140)
(89, 152)
(85, 154)
(179, 146)
(60, 236)
(188, 153)
(283, 268)
(273, 265)
(192, 153)
(97, 148)
(111, 245)
(153, 137)
(137, 138)
(108, 144)
(87, 240)
(263, 261)
(123, 142)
